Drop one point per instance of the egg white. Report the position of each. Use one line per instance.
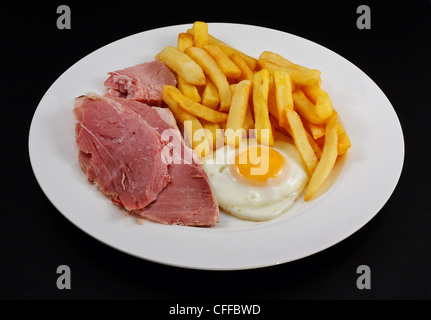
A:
(251, 202)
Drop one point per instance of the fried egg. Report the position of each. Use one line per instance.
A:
(256, 182)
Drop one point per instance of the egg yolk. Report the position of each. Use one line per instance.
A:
(258, 164)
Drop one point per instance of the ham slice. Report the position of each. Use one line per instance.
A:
(111, 153)
(188, 199)
(119, 152)
(143, 82)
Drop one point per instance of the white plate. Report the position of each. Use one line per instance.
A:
(366, 178)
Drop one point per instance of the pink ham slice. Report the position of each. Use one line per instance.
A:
(119, 152)
(109, 147)
(188, 199)
(143, 82)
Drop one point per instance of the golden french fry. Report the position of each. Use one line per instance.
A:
(238, 109)
(276, 125)
(316, 148)
(223, 125)
(287, 131)
(183, 117)
(200, 34)
(183, 65)
(194, 107)
(343, 140)
(320, 141)
(272, 101)
(316, 130)
(248, 120)
(327, 160)
(320, 99)
(185, 40)
(246, 71)
(210, 67)
(307, 109)
(299, 135)
(229, 68)
(260, 105)
(189, 90)
(252, 62)
(210, 97)
(298, 77)
(214, 134)
(283, 95)
(278, 59)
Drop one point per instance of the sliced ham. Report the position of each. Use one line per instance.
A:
(188, 199)
(119, 151)
(123, 146)
(143, 82)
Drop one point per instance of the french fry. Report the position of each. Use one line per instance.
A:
(299, 77)
(343, 140)
(214, 134)
(246, 71)
(327, 160)
(287, 131)
(320, 99)
(189, 90)
(210, 97)
(200, 34)
(321, 141)
(299, 135)
(260, 105)
(223, 125)
(238, 109)
(185, 40)
(278, 59)
(194, 107)
(248, 120)
(316, 130)
(283, 95)
(252, 62)
(307, 109)
(183, 65)
(272, 101)
(229, 68)
(316, 148)
(184, 117)
(276, 125)
(210, 67)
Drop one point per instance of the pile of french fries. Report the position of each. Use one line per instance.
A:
(220, 87)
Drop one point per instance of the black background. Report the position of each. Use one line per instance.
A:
(35, 238)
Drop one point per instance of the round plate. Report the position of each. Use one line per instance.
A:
(365, 177)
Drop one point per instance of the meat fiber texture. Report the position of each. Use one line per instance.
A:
(119, 152)
(143, 82)
(136, 156)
